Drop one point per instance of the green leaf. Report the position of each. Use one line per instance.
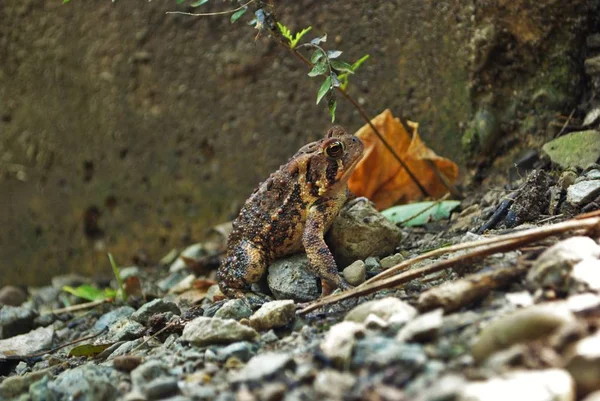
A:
(341, 66)
(238, 14)
(66, 1)
(117, 274)
(88, 349)
(299, 35)
(319, 69)
(316, 41)
(285, 31)
(335, 82)
(325, 87)
(334, 53)
(417, 214)
(359, 62)
(90, 293)
(199, 3)
(316, 56)
(332, 107)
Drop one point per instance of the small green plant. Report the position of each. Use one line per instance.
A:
(91, 293)
(292, 39)
(117, 274)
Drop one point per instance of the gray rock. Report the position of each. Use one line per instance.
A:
(541, 385)
(593, 174)
(422, 328)
(263, 366)
(583, 192)
(147, 372)
(28, 343)
(125, 330)
(333, 385)
(379, 352)
(272, 315)
(158, 305)
(161, 387)
(86, 383)
(372, 264)
(592, 65)
(523, 325)
(235, 309)
(11, 295)
(577, 149)
(12, 386)
(391, 261)
(193, 251)
(289, 278)
(355, 273)
(206, 331)
(360, 231)
(340, 340)
(39, 390)
(242, 350)
(384, 308)
(583, 363)
(172, 280)
(110, 318)
(553, 267)
(15, 320)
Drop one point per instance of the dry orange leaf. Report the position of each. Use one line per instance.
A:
(380, 177)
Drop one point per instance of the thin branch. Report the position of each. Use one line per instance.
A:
(211, 14)
(489, 247)
(80, 307)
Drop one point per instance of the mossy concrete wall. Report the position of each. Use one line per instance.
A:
(124, 129)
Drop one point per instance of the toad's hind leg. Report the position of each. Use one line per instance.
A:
(244, 265)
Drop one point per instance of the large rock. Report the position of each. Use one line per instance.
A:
(289, 278)
(577, 149)
(212, 330)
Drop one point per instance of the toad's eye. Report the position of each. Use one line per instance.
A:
(335, 150)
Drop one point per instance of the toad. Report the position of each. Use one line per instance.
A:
(291, 211)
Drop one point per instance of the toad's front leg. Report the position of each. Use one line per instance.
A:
(321, 260)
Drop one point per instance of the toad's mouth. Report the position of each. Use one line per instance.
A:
(348, 172)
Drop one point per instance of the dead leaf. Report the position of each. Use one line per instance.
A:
(380, 177)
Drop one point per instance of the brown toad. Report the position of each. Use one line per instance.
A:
(290, 211)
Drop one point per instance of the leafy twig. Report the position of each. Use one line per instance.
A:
(243, 6)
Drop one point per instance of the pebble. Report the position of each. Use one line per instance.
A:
(372, 264)
(235, 309)
(541, 385)
(360, 231)
(146, 311)
(263, 366)
(524, 325)
(587, 274)
(272, 315)
(583, 192)
(553, 267)
(290, 278)
(110, 318)
(333, 385)
(88, 382)
(12, 386)
(391, 261)
(379, 352)
(125, 330)
(147, 372)
(206, 330)
(355, 273)
(15, 320)
(595, 396)
(194, 251)
(422, 328)
(583, 363)
(28, 343)
(12, 296)
(242, 350)
(339, 342)
(592, 65)
(161, 387)
(384, 308)
(127, 363)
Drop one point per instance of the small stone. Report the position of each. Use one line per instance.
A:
(12, 386)
(340, 340)
(110, 318)
(333, 385)
(147, 372)
(235, 309)
(273, 392)
(146, 311)
(12, 296)
(551, 270)
(290, 278)
(205, 331)
(591, 117)
(372, 264)
(86, 383)
(242, 350)
(355, 273)
(125, 330)
(592, 65)
(380, 352)
(194, 251)
(161, 387)
(391, 261)
(422, 328)
(567, 178)
(583, 192)
(587, 274)
(524, 325)
(593, 41)
(595, 396)
(583, 363)
(582, 304)
(541, 385)
(360, 231)
(15, 320)
(272, 315)
(263, 366)
(577, 149)
(127, 363)
(385, 308)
